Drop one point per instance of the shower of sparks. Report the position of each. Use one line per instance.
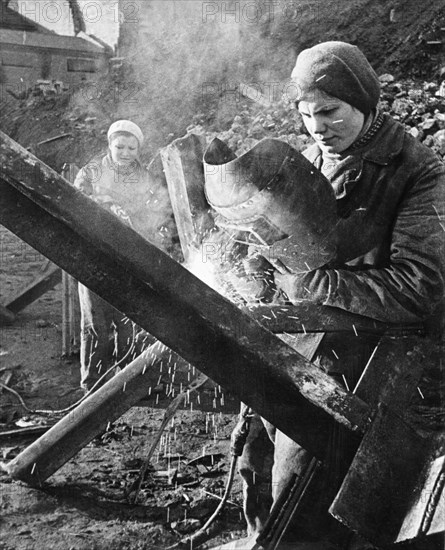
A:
(440, 219)
(365, 369)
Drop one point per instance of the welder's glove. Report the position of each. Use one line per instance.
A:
(309, 286)
(259, 270)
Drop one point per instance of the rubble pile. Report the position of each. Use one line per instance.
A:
(36, 121)
(420, 106)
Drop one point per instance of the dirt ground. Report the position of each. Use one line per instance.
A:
(83, 506)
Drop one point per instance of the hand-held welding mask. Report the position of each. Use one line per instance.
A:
(273, 200)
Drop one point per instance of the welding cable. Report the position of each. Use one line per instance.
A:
(59, 411)
(87, 394)
(238, 440)
(189, 543)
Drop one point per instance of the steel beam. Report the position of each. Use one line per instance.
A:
(169, 302)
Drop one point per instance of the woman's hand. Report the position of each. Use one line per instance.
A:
(307, 286)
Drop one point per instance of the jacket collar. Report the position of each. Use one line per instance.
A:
(387, 143)
(382, 149)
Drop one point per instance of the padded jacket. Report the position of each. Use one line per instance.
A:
(390, 237)
(132, 194)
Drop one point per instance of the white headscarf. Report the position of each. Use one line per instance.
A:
(126, 126)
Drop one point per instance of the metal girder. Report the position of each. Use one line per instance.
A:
(170, 303)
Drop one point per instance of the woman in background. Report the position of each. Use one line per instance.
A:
(120, 183)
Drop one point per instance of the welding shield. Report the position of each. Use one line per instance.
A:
(273, 200)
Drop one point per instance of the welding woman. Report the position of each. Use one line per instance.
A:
(118, 182)
(388, 266)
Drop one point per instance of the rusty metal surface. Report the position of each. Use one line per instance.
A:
(182, 162)
(314, 318)
(389, 467)
(426, 510)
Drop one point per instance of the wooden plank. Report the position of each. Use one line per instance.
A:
(70, 324)
(65, 315)
(36, 289)
(7, 317)
(170, 303)
(70, 315)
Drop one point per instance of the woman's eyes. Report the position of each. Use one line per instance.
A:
(325, 112)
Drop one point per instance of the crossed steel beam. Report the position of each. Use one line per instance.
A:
(169, 302)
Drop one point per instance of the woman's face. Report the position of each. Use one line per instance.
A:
(333, 123)
(124, 149)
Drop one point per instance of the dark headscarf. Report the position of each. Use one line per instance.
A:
(339, 69)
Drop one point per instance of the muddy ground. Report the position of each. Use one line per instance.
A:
(83, 506)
